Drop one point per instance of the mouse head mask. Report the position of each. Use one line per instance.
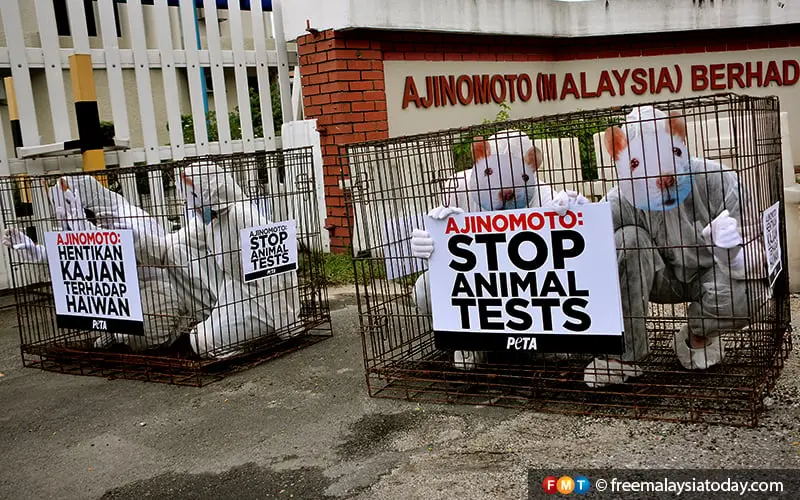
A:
(651, 157)
(504, 173)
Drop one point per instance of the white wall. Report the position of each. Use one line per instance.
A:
(536, 17)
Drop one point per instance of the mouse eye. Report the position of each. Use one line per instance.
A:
(526, 177)
(634, 163)
(488, 172)
(677, 151)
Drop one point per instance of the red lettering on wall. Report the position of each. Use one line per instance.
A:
(790, 64)
(511, 79)
(465, 90)
(585, 93)
(498, 89)
(751, 75)
(569, 87)
(605, 84)
(410, 93)
(773, 74)
(448, 89)
(717, 75)
(638, 75)
(621, 80)
(699, 77)
(464, 94)
(735, 72)
(524, 87)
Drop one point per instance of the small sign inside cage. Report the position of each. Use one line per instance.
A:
(397, 242)
(772, 241)
(95, 281)
(269, 250)
(526, 279)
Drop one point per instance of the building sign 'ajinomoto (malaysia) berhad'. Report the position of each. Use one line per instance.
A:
(424, 96)
(466, 89)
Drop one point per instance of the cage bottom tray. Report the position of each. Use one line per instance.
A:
(175, 365)
(730, 393)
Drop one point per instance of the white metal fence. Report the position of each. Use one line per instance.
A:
(175, 80)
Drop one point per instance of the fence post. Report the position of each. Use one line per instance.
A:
(87, 114)
(283, 62)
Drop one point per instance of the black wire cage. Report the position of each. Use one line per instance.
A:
(181, 272)
(706, 321)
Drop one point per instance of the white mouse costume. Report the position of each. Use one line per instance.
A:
(243, 311)
(503, 178)
(677, 231)
(71, 198)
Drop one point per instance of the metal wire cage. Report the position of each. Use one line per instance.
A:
(202, 316)
(735, 139)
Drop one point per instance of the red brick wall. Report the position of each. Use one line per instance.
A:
(343, 87)
(343, 83)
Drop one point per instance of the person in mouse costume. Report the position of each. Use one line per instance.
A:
(82, 203)
(677, 228)
(243, 310)
(503, 177)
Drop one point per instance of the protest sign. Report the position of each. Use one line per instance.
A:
(95, 281)
(772, 241)
(269, 250)
(526, 279)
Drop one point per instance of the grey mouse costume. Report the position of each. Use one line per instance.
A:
(666, 217)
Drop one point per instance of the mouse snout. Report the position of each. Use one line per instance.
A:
(665, 181)
(507, 195)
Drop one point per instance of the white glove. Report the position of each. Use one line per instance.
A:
(20, 242)
(421, 241)
(565, 200)
(723, 233)
(72, 212)
(421, 244)
(440, 213)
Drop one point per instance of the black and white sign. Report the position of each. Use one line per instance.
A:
(269, 250)
(526, 280)
(95, 282)
(772, 241)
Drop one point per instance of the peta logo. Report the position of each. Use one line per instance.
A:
(521, 343)
(99, 324)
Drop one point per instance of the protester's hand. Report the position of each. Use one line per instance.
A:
(565, 200)
(440, 213)
(18, 241)
(421, 244)
(723, 232)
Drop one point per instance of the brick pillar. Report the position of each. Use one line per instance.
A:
(343, 88)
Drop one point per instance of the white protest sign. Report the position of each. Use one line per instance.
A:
(397, 244)
(269, 250)
(772, 241)
(95, 281)
(526, 280)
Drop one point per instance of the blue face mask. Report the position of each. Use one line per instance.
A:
(208, 215)
(673, 200)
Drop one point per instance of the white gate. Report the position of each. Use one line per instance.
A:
(177, 78)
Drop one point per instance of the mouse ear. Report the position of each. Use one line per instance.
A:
(480, 149)
(615, 141)
(677, 125)
(533, 158)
